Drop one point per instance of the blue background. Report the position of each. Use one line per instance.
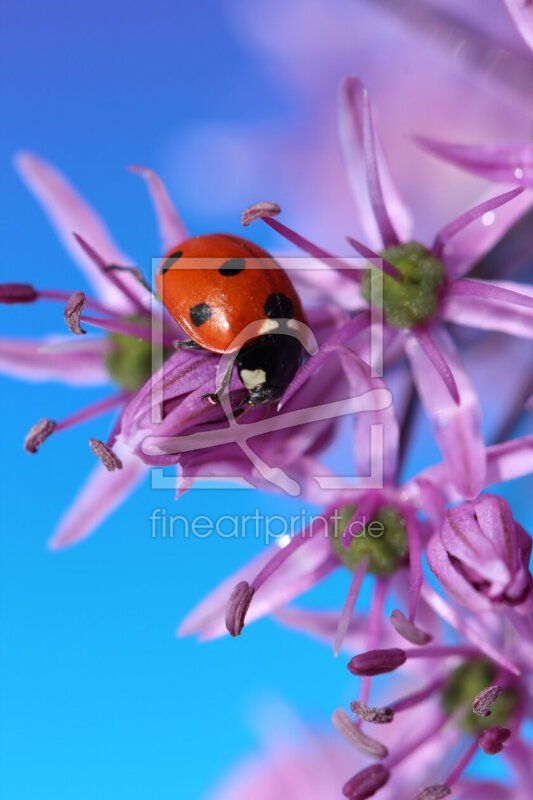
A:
(99, 699)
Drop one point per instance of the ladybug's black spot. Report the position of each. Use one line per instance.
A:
(232, 267)
(200, 314)
(279, 306)
(169, 263)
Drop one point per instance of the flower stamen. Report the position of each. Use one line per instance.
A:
(485, 699)
(355, 736)
(38, 434)
(73, 311)
(14, 293)
(378, 716)
(107, 456)
(237, 607)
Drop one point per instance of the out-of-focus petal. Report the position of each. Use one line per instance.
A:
(510, 460)
(102, 493)
(69, 213)
(382, 212)
(522, 13)
(457, 427)
(75, 361)
(507, 162)
(172, 231)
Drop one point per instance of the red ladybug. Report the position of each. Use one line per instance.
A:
(234, 284)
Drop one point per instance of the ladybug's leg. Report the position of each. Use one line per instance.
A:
(137, 274)
(214, 397)
(187, 344)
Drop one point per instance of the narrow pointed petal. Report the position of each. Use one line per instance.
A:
(360, 381)
(384, 215)
(510, 460)
(323, 625)
(69, 212)
(378, 261)
(522, 13)
(482, 314)
(172, 231)
(101, 495)
(438, 360)
(507, 162)
(494, 292)
(453, 228)
(342, 335)
(457, 428)
(76, 362)
(349, 605)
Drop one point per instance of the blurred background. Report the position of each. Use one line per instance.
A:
(230, 103)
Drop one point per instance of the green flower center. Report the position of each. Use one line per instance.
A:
(129, 360)
(383, 540)
(464, 684)
(414, 299)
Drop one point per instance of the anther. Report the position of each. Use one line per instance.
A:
(13, 293)
(485, 699)
(433, 792)
(355, 736)
(259, 210)
(109, 459)
(37, 435)
(72, 313)
(377, 662)
(366, 783)
(237, 607)
(379, 716)
(408, 630)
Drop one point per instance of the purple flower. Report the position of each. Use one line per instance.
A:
(481, 557)
(168, 404)
(299, 762)
(423, 287)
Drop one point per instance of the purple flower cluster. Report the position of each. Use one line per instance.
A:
(462, 635)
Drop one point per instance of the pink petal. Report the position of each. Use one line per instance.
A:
(510, 460)
(102, 493)
(457, 428)
(360, 381)
(453, 228)
(382, 212)
(494, 292)
(486, 315)
(73, 361)
(69, 212)
(471, 629)
(507, 162)
(172, 231)
(324, 625)
(522, 13)
(345, 333)
(438, 360)
(349, 604)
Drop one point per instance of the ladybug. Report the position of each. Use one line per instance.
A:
(236, 283)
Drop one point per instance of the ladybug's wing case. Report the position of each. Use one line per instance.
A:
(216, 285)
